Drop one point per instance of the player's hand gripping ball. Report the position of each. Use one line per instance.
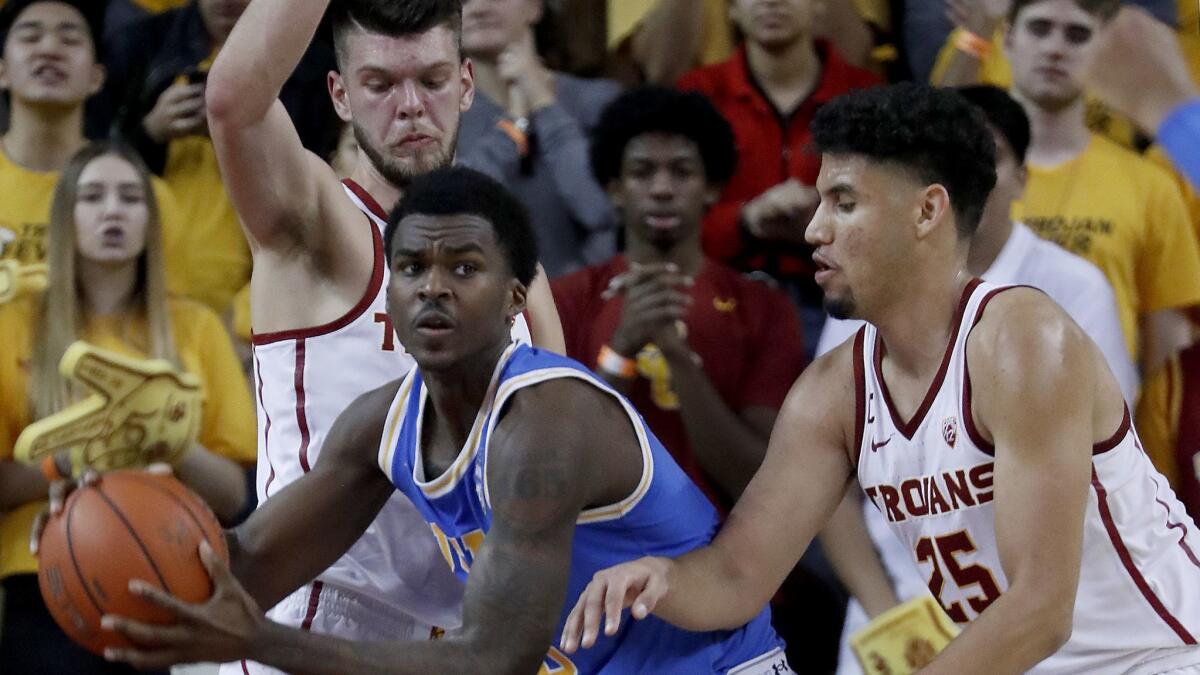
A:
(143, 412)
(127, 525)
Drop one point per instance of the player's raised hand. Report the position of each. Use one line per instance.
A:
(638, 585)
(222, 629)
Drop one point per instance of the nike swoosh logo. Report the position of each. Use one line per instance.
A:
(876, 446)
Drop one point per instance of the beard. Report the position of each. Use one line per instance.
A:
(400, 173)
(840, 308)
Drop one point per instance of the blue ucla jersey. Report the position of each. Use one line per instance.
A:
(666, 515)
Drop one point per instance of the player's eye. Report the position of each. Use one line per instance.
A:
(845, 206)
(465, 269)
(410, 269)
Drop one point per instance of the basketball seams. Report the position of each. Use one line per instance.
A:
(137, 539)
(178, 499)
(74, 561)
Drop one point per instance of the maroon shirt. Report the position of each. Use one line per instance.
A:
(746, 333)
(772, 147)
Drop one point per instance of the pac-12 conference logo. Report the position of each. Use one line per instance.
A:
(950, 430)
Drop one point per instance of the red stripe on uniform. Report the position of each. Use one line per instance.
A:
(366, 198)
(860, 396)
(311, 613)
(267, 429)
(245, 668)
(301, 415)
(1127, 560)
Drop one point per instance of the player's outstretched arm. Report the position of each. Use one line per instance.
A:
(1034, 382)
(539, 479)
(275, 184)
(307, 526)
(725, 584)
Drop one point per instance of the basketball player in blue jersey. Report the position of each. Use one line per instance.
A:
(532, 473)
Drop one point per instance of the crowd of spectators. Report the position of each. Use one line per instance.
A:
(662, 149)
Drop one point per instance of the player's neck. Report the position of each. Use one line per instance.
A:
(457, 393)
(370, 179)
(686, 254)
(43, 139)
(1057, 135)
(105, 289)
(989, 240)
(917, 327)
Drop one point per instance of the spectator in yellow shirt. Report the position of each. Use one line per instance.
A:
(49, 68)
(1093, 197)
(106, 287)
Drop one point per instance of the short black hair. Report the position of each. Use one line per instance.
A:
(92, 11)
(1101, 9)
(458, 190)
(934, 132)
(647, 110)
(393, 18)
(1004, 115)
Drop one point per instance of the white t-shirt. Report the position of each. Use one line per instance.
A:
(1077, 285)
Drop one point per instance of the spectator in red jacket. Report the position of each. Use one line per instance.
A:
(705, 354)
(769, 91)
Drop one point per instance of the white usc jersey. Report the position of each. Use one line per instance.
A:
(303, 380)
(932, 479)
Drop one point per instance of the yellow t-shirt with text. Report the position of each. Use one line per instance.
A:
(228, 422)
(1125, 215)
(25, 199)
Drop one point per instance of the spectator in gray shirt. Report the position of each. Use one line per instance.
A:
(529, 129)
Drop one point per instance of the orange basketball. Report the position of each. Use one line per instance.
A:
(130, 525)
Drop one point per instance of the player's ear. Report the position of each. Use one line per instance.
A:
(467, 73)
(934, 209)
(337, 92)
(518, 296)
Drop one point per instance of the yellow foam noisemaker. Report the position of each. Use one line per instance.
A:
(17, 279)
(903, 639)
(143, 411)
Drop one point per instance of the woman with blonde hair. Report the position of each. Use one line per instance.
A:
(106, 286)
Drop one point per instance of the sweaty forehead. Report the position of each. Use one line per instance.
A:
(660, 146)
(862, 174)
(437, 233)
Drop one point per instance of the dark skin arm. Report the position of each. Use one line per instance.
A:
(322, 513)
(540, 477)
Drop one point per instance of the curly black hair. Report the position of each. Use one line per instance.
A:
(92, 11)
(393, 19)
(1003, 113)
(647, 110)
(933, 131)
(458, 190)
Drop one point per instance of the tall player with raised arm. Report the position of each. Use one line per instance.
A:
(979, 419)
(322, 336)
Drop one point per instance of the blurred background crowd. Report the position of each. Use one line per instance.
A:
(1086, 207)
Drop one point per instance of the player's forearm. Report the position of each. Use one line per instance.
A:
(313, 515)
(708, 590)
(1016, 632)
(849, 548)
(307, 653)
(727, 448)
(266, 45)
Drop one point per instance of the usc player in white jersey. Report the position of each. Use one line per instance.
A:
(321, 333)
(979, 419)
